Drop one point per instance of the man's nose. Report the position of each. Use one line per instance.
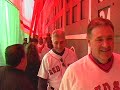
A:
(106, 43)
(58, 45)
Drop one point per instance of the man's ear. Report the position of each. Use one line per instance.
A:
(88, 40)
(89, 44)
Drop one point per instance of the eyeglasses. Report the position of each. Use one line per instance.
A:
(63, 64)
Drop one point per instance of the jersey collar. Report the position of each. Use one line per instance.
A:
(105, 67)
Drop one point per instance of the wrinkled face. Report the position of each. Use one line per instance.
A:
(58, 44)
(102, 43)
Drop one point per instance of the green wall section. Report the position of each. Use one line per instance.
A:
(10, 32)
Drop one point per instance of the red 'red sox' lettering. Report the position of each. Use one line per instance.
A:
(106, 86)
(54, 70)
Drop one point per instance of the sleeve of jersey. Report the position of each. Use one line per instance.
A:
(43, 70)
(67, 80)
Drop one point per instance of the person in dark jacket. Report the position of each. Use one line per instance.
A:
(33, 64)
(12, 76)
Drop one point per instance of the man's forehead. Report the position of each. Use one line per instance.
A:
(58, 36)
(58, 39)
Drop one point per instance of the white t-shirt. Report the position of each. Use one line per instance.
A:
(86, 75)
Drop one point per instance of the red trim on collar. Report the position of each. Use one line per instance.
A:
(105, 67)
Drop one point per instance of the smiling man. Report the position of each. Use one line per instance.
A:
(100, 69)
(55, 62)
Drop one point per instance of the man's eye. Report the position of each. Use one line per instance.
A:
(55, 43)
(110, 38)
(99, 40)
(62, 42)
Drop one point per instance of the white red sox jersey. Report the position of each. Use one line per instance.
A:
(52, 68)
(86, 75)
